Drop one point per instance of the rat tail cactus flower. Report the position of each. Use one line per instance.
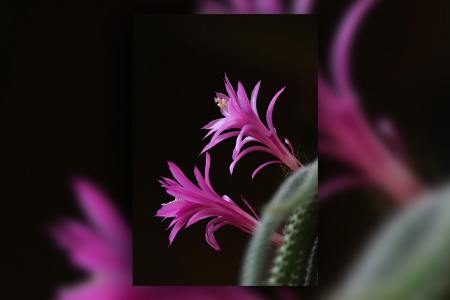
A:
(347, 136)
(194, 203)
(241, 120)
(101, 246)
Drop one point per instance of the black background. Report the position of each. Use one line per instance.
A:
(65, 94)
(178, 64)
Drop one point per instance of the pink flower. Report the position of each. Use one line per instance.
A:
(345, 133)
(241, 120)
(255, 6)
(195, 203)
(101, 246)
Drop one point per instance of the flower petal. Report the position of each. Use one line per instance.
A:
(262, 166)
(212, 227)
(179, 176)
(212, 123)
(244, 103)
(193, 204)
(202, 182)
(254, 97)
(343, 43)
(100, 211)
(270, 110)
(250, 207)
(207, 167)
(245, 152)
(178, 226)
(233, 105)
(239, 144)
(220, 139)
(200, 215)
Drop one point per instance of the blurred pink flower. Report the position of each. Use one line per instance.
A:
(101, 246)
(346, 135)
(241, 119)
(194, 203)
(255, 6)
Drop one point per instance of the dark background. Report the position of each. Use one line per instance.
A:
(65, 94)
(178, 64)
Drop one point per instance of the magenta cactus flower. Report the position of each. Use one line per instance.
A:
(241, 120)
(345, 133)
(194, 203)
(101, 246)
(255, 6)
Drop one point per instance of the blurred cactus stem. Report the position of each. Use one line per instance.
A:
(409, 258)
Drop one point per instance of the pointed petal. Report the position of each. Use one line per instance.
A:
(246, 140)
(212, 123)
(207, 167)
(233, 105)
(89, 250)
(212, 227)
(270, 110)
(195, 196)
(247, 151)
(100, 210)
(254, 97)
(219, 139)
(219, 131)
(178, 226)
(265, 165)
(168, 182)
(200, 215)
(180, 177)
(201, 181)
(343, 43)
(250, 207)
(170, 209)
(238, 145)
(244, 103)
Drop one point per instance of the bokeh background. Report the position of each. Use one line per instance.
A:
(178, 65)
(400, 67)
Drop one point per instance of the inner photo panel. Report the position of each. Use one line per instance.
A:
(179, 63)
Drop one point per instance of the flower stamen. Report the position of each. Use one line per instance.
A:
(222, 103)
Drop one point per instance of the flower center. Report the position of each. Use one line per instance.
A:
(222, 103)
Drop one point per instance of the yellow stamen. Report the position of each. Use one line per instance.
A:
(222, 103)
